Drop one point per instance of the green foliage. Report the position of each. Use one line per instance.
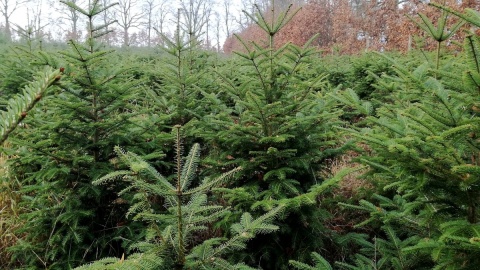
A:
(361, 75)
(178, 86)
(174, 232)
(268, 111)
(183, 80)
(430, 139)
(135, 261)
(320, 263)
(401, 228)
(440, 33)
(456, 248)
(21, 62)
(338, 69)
(470, 15)
(19, 106)
(274, 118)
(248, 227)
(350, 98)
(364, 75)
(425, 150)
(67, 144)
(276, 113)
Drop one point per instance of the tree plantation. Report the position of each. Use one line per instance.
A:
(280, 155)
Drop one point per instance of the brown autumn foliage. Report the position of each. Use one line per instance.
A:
(353, 26)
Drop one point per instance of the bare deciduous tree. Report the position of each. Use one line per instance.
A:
(108, 18)
(193, 17)
(68, 19)
(127, 18)
(7, 8)
(149, 7)
(351, 26)
(35, 22)
(217, 29)
(160, 17)
(227, 4)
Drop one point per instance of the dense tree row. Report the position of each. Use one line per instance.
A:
(181, 158)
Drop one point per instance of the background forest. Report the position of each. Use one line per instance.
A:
(325, 135)
(345, 26)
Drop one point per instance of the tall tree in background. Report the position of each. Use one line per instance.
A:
(149, 7)
(108, 18)
(227, 16)
(193, 17)
(160, 19)
(7, 8)
(218, 30)
(128, 18)
(70, 17)
(35, 19)
(208, 26)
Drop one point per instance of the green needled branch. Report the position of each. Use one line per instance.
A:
(439, 33)
(19, 106)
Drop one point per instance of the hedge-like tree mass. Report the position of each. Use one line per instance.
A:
(275, 157)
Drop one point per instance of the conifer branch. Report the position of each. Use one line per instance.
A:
(472, 50)
(19, 106)
(472, 16)
(320, 263)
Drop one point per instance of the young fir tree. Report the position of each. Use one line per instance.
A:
(440, 33)
(68, 143)
(276, 123)
(180, 71)
(177, 80)
(190, 64)
(426, 150)
(175, 237)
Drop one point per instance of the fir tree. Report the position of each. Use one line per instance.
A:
(426, 150)
(275, 123)
(173, 237)
(68, 144)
